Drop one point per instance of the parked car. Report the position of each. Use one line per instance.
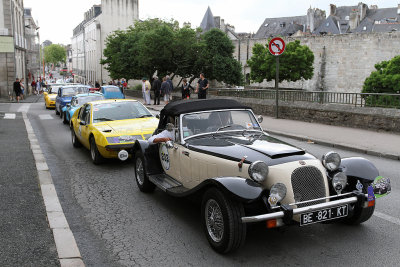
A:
(65, 94)
(242, 175)
(77, 101)
(112, 92)
(109, 128)
(50, 95)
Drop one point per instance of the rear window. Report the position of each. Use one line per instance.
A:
(112, 89)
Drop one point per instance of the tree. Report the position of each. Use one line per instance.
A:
(217, 58)
(386, 79)
(54, 54)
(294, 64)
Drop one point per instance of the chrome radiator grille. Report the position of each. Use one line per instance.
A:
(308, 183)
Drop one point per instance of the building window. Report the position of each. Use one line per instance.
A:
(364, 28)
(266, 25)
(282, 25)
(327, 24)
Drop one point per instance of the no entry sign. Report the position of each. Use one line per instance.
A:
(276, 46)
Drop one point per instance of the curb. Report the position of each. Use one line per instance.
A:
(340, 146)
(67, 249)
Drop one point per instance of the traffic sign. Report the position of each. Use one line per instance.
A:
(276, 46)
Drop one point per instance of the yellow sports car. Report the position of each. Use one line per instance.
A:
(109, 128)
(50, 96)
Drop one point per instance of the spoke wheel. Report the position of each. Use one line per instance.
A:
(222, 222)
(142, 180)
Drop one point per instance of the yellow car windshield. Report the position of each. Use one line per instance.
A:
(123, 110)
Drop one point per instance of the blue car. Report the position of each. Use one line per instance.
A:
(112, 92)
(77, 101)
(65, 94)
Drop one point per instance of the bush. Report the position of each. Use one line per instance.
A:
(137, 87)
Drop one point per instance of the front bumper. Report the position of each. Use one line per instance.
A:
(120, 147)
(362, 199)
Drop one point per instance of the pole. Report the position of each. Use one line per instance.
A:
(277, 87)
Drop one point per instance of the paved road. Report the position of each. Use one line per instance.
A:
(116, 225)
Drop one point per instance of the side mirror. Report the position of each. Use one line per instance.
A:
(82, 123)
(260, 119)
(170, 145)
(158, 116)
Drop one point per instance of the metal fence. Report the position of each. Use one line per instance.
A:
(355, 99)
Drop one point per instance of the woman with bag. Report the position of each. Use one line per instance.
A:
(186, 89)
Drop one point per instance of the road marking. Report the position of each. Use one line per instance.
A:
(9, 116)
(67, 249)
(387, 217)
(45, 117)
(24, 108)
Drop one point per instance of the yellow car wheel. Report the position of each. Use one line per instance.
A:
(97, 158)
(75, 141)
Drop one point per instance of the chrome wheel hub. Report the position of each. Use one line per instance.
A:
(139, 171)
(214, 220)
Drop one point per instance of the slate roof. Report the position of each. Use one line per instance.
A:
(330, 25)
(283, 26)
(388, 18)
(208, 21)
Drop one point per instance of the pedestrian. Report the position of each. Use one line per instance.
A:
(156, 88)
(165, 90)
(17, 89)
(22, 89)
(146, 91)
(33, 84)
(171, 85)
(202, 86)
(97, 85)
(186, 89)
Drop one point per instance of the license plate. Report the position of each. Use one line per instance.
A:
(323, 215)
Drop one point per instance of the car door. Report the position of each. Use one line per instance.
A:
(170, 157)
(85, 129)
(58, 97)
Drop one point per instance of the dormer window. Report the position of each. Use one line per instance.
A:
(327, 24)
(347, 18)
(283, 24)
(266, 25)
(364, 28)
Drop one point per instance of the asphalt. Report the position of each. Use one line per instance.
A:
(26, 239)
(380, 144)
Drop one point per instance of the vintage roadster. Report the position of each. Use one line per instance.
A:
(242, 175)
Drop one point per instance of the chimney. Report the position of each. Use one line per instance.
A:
(373, 7)
(333, 10)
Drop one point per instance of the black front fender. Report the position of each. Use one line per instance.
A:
(152, 161)
(244, 190)
(360, 168)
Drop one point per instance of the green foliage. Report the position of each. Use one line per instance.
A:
(157, 45)
(55, 54)
(294, 64)
(137, 87)
(386, 79)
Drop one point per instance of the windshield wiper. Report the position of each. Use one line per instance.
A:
(145, 116)
(103, 119)
(223, 127)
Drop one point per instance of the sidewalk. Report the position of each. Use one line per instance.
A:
(381, 144)
(27, 99)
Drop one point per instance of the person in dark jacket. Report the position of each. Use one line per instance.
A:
(186, 89)
(202, 86)
(156, 88)
(17, 89)
(171, 86)
(166, 90)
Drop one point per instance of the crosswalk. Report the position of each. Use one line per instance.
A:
(13, 116)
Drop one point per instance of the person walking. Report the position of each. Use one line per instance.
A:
(171, 85)
(17, 89)
(202, 86)
(186, 89)
(165, 90)
(33, 84)
(22, 89)
(156, 88)
(146, 91)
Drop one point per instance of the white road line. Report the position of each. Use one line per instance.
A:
(9, 116)
(46, 117)
(67, 249)
(24, 108)
(387, 217)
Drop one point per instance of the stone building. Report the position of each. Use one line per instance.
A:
(88, 41)
(12, 45)
(32, 46)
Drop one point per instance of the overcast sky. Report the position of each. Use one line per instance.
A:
(57, 18)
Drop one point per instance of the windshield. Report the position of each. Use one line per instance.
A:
(213, 121)
(53, 89)
(112, 89)
(123, 110)
(71, 91)
(78, 101)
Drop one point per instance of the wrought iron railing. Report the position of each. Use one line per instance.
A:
(355, 99)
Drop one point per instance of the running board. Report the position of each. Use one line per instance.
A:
(164, 182)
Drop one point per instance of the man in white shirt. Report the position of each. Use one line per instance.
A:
(164, 136)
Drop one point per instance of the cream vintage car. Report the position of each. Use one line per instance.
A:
(243, 175)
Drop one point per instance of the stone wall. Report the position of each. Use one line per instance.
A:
(350, 59)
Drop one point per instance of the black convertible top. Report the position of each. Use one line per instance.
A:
(187, 106)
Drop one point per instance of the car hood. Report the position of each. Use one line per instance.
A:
(66, 99)
(133, 126)
(268, 149)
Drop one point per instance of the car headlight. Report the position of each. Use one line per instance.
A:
(331, 161)
(258, 171)
(339, 182)
(276, 194)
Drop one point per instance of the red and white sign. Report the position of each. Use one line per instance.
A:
(276, 46)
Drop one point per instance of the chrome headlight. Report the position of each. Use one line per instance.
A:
(276, 194)
(339, 182)
(331, 161)
(258, 171)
